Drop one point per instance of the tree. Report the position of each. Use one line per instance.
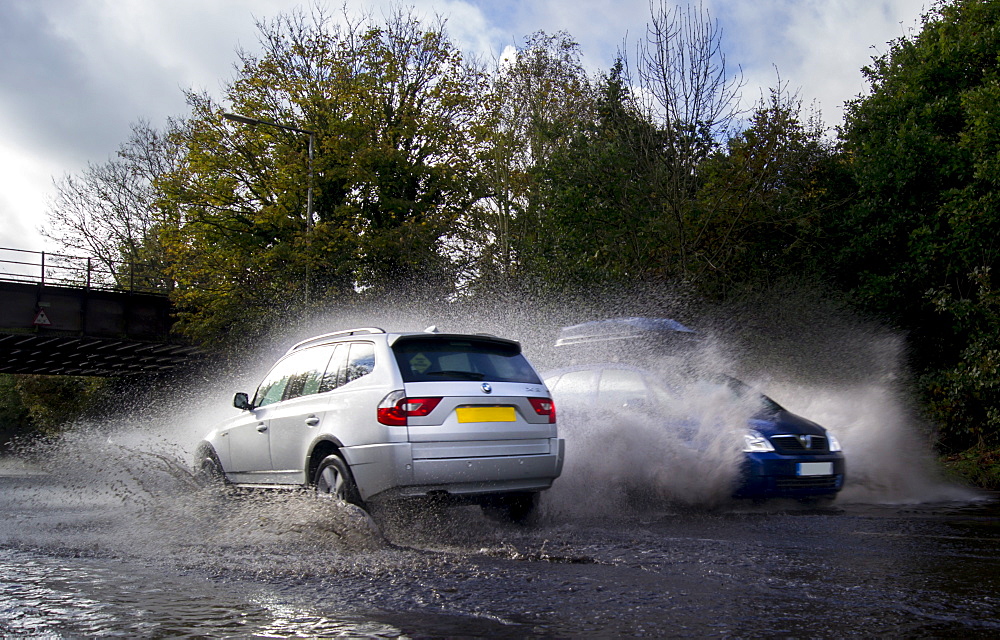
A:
(392, 107)
(686, 89)
(764, 199)
(599, 207)
(537, 101)
(45, 404)
(923, 147)
(108, 211)
(964, 398)
(14, 417)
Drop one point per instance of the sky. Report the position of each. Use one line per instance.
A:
(75, 74)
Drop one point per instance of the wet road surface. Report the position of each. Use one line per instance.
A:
(137, 551)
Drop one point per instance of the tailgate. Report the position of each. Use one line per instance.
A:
(469, 413)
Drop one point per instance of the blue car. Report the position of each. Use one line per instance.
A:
(783, 455)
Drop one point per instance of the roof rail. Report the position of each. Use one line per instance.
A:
(335, 334)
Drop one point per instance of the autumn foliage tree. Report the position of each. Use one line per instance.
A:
(392, 108)
(539, 98)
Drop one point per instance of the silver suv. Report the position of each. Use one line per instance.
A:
(371, 416)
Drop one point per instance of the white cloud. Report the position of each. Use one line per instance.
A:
(22, 200)
(508, 57)
(77, 73)
(466, 24)
(817, 46)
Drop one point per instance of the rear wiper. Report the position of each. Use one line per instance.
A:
(465, 375)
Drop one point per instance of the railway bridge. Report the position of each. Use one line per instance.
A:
(68, 315)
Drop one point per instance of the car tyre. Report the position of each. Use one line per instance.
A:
(334, 478)
(516, 507)
(208, 471)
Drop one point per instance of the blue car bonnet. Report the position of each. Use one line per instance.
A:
(785, 422)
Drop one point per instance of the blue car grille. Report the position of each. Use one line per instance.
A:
(800, 444)
(806, 482)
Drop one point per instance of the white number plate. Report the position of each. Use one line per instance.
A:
(815, 469)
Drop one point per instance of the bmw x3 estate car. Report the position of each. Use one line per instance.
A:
(371, 416)
(784, 455)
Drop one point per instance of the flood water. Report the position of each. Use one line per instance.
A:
(103, 532)
(208, 564)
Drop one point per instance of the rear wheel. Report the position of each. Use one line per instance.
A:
(334, 478)
(513, 507)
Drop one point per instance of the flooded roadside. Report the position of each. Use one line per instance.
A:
(44, 596)
(202, 563)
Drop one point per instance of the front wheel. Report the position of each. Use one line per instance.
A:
(208, 471)
(334, 478)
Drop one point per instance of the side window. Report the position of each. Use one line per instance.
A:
(297, 375)
(666, 399)
(333, 377)
(311, 370)
(576, 387)
(360, 361)
(272, 389)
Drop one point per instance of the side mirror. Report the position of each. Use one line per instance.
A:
(242, 401)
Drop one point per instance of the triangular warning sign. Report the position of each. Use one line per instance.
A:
(41, 319)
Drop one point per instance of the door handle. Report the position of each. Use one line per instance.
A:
(312, 421)
(261, 427)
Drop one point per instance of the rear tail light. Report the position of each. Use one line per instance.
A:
(395, 408)
(544, 407)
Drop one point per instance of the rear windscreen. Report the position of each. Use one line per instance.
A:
(437, 359)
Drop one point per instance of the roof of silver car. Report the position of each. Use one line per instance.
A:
(327, 337)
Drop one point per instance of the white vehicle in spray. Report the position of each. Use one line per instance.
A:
(370, 416)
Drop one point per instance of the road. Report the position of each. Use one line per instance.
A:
(114, 542)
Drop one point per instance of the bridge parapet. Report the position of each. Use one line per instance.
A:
(81, 272)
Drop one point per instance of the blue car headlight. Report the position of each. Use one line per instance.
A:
(755, 441)
(832, 440)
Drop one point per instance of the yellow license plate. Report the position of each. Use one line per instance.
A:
(486, 414)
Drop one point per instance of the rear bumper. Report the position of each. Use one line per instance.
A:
(772, 475)
(390, 471)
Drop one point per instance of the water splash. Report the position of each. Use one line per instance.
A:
(123, 486)
(888, 451)
(850, 376)
(619, 460)
(112, 490)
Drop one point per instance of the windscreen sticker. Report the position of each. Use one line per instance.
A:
(420, 363)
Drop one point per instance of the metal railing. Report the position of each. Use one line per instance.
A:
(61, 270)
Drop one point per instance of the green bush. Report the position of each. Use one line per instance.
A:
(978, 466)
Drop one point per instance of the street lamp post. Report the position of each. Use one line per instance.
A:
(312, 141)
(309, 191)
